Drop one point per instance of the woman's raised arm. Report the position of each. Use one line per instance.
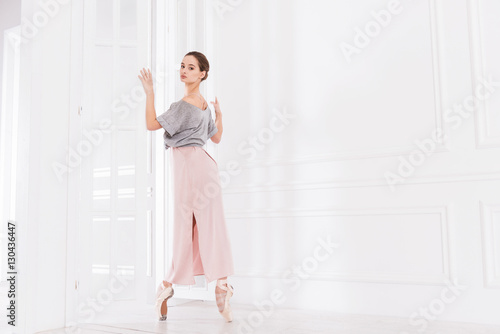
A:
(147, 82)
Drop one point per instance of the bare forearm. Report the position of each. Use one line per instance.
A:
(150, 109)
(218, 123)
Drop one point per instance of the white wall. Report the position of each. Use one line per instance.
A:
(41, 211)
(324, 173)
(10, 16)
(9, 20)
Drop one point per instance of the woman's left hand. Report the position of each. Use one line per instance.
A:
(147, 80)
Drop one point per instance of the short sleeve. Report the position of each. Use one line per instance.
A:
(212, 128)
(171, 120)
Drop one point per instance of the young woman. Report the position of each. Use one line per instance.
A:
(201, 241)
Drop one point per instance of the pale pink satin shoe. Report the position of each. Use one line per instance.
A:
(163, 293)
(222, 299)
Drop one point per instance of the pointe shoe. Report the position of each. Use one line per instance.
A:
(226, 312)
(163, 294)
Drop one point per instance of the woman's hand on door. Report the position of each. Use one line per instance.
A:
(147, 80)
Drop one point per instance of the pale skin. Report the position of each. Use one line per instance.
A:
(191, 75)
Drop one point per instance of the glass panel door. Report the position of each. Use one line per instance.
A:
(117, 177)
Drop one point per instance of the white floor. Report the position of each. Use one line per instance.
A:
(203, 317)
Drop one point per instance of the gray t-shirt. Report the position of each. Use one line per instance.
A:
(186, 125)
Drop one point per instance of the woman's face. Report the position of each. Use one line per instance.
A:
(189, 71)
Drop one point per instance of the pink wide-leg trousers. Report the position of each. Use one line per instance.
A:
(201, 244)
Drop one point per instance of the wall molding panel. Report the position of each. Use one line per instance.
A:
(483, 138)
(491, 256)
(447, 274)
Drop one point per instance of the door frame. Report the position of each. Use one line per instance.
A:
(75, 101)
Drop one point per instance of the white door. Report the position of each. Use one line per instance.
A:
(115, 250)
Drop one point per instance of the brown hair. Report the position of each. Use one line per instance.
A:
(202, 62)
